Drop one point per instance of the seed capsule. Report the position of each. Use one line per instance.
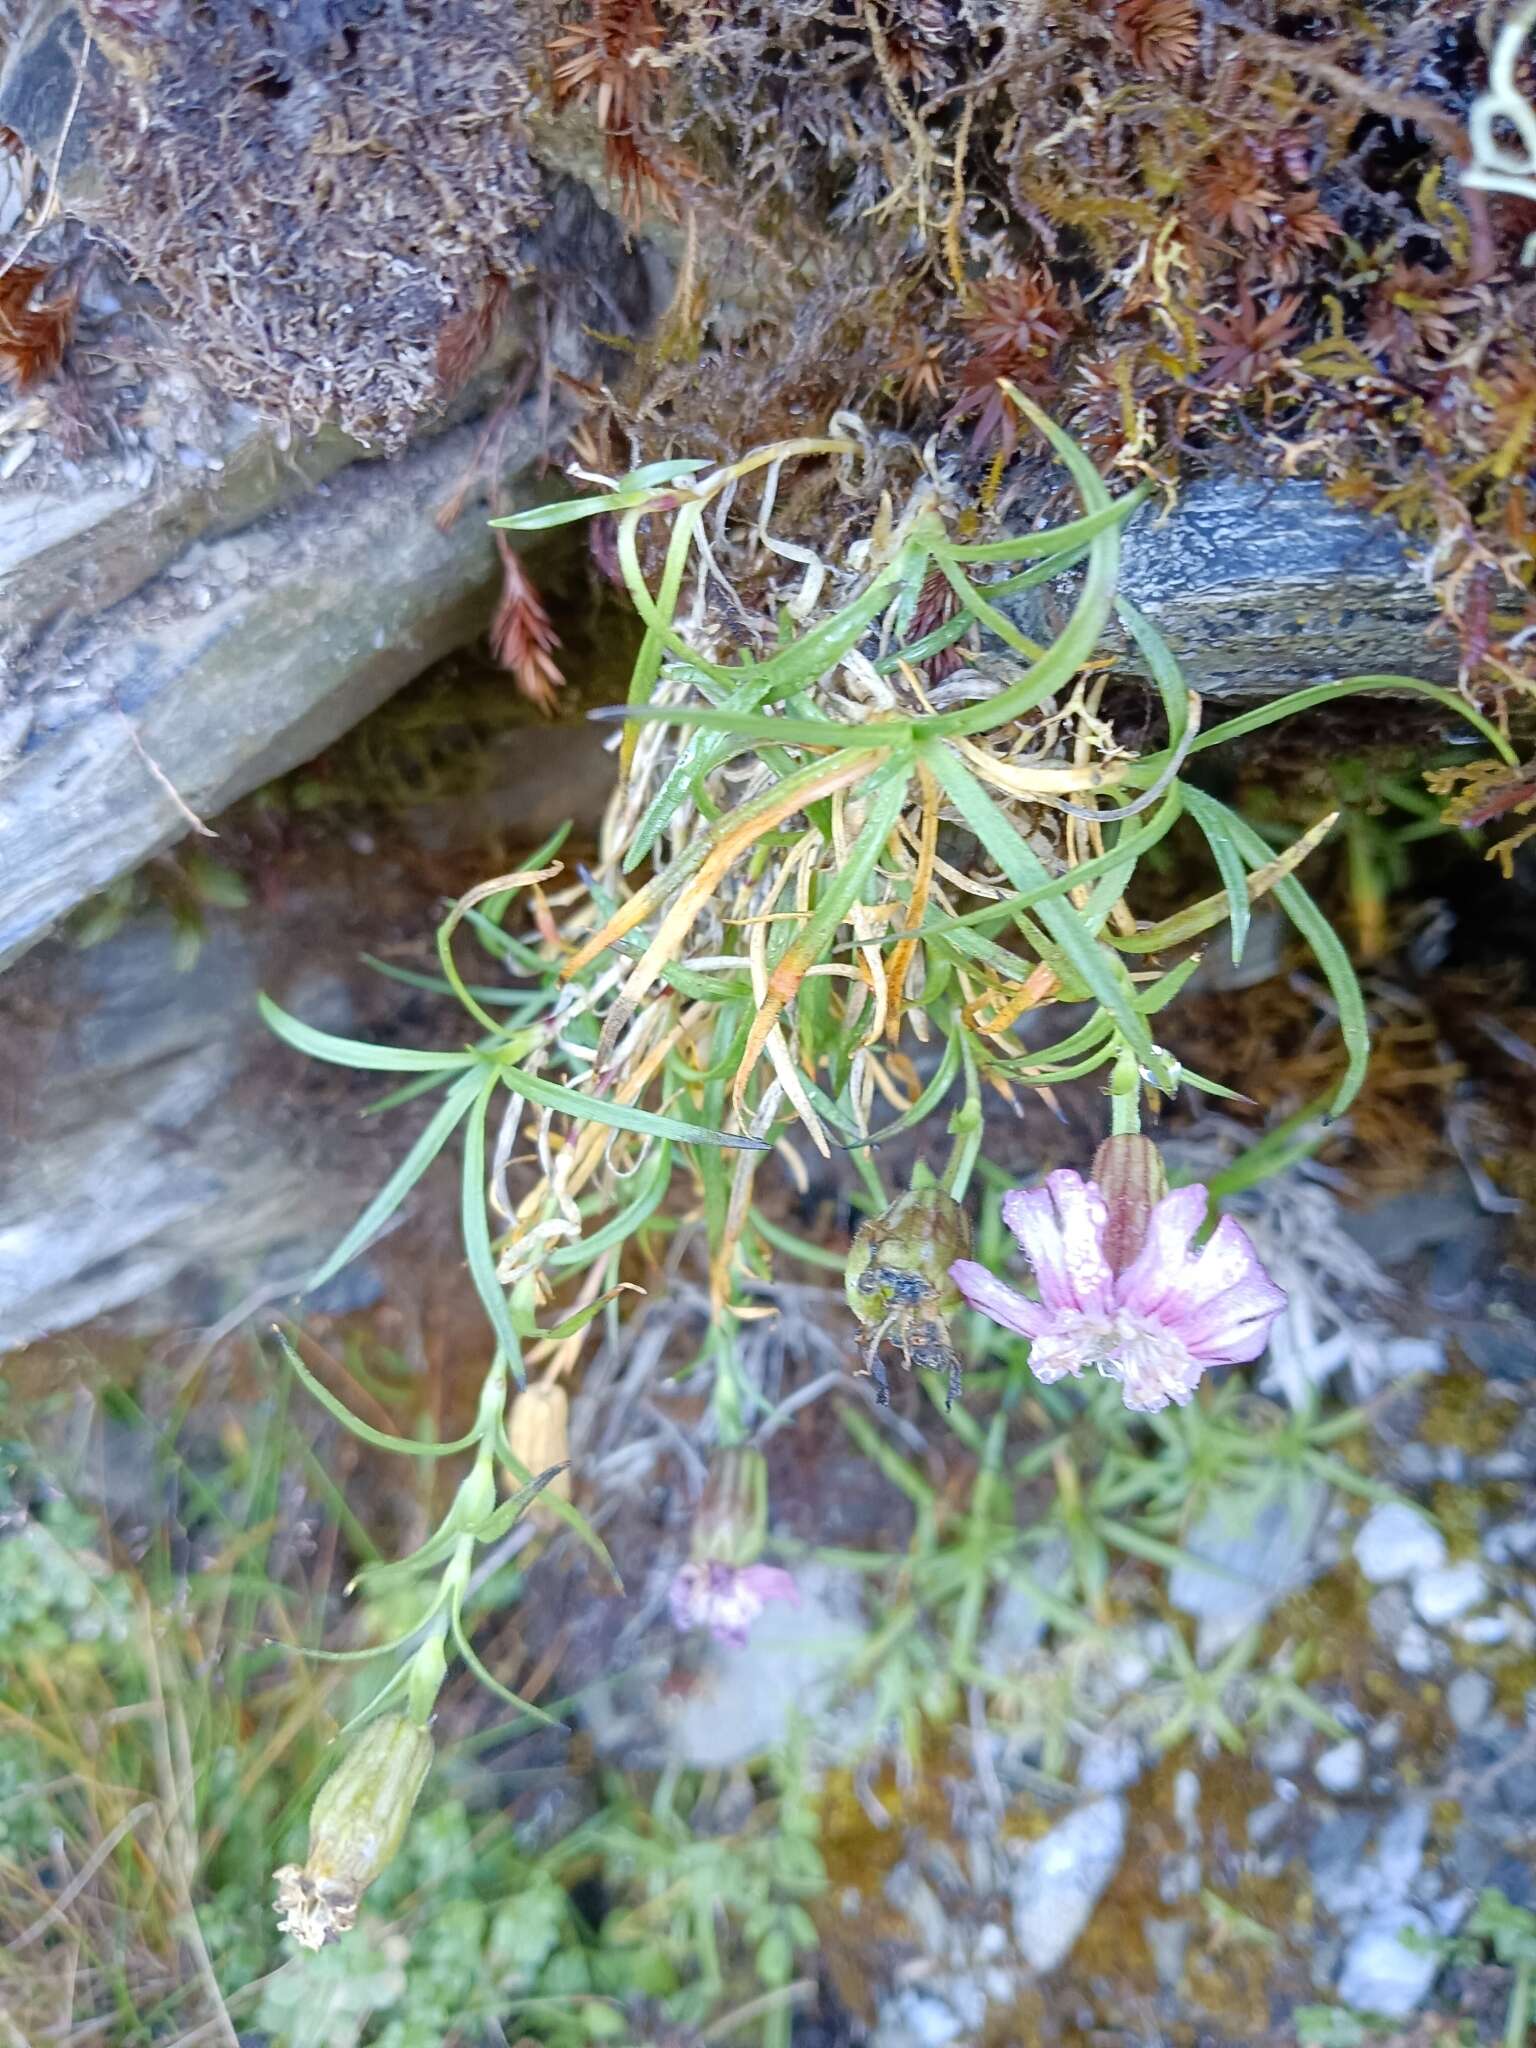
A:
(538, 1429)
(356, 1825)
(897, 1281)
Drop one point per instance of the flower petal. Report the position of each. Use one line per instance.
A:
(1229, 1301)
(1060, 1228)
(767, 1582)
(1004, 1304)
(1161, 1268)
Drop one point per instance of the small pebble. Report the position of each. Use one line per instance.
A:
(1415, 1651)
(1449, 1590)
(1381, 1973)
(1468, 1698)
(1511, 1542)
(1483, 1631)
(1341, 1768)
(1395, 1541)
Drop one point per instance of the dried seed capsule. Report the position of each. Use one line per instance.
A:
(897, 1282)
(538, 1429)
(356, 1825)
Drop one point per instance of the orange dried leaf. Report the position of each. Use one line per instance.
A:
(33, 338)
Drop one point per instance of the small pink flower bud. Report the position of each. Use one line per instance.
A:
(1129, 1173)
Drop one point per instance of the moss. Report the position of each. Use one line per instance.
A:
(1514, 1682)
(1461, 1414)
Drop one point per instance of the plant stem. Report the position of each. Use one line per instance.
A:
(1125, 1095)
(1517, 2021)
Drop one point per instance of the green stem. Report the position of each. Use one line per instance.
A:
(726, 1398)
(1517, 2021)
(1125, 1095)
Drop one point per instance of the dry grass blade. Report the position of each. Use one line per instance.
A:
(905, 951)
(730, 841)
(1211, 910)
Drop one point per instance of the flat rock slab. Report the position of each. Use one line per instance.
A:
(246, 658)
(1263, 587)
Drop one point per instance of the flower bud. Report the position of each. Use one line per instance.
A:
(1128, 1172)
(730, 1524)
(356, 1824)
(538, 1430)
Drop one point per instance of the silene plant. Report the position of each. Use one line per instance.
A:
(869, 873)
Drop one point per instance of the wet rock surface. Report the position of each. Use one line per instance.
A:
(1261, 587)
(162, 1153)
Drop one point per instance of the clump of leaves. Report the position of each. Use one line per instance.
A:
(832, 903)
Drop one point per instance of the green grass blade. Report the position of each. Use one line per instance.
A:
(1166, 674)
(1330, 693)
(1053, 540)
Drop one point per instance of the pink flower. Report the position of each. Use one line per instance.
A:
(728, 1598)
(1141, 1306)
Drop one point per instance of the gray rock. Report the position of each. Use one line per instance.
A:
(1448, 1591)
(1061, 1878)
(917, 2019)
(344, 599)
(1483, 1631)
(1503, 1349)
(1340, 1769)
(1341, 1876)
(1017, 1625)
(1168, 1941)
(1400, 1847)
(1111, 1762)
(1261, 588)
(1380, 1973)
(1468, 1699)
(1416, 1651)
(1395, 1542)
(161, 1153)
(1257, 1558)
(149, 670)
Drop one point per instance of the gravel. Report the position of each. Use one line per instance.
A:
(1061, 1878)
(1448, 1591)
(1380, 1973)
(1340, 1769)
(1397, 1542)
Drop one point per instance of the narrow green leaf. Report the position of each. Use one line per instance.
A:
(1099, 973)
(596, 1109)
(1053, 540)
(475, 1224)
(467, 1652)
(356, 1052)
(1166, 673)
(1234, 877)
(896, 1468)
(621, 1228)
(343, 1414)
(1331, 958)
(449, 1114)
(1330, 693)
(929, 1099)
